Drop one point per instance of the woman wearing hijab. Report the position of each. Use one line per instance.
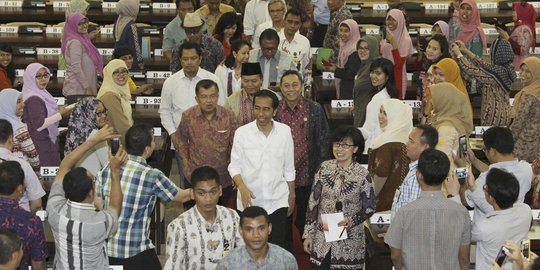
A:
(469, 28)
(383, 86)
(526, 124)
(523, 37)
(115, 95)
(368, 50)
(125, 29)
(446, 70)
(388, 163)
(451, 118)
(496, 79)
(41, 113)
(80, 6)
(441, 28)
(89, 115)
(397, 47)
(83, 61)
(11, 109)
(348, 60)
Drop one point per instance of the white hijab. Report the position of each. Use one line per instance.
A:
(399, 123)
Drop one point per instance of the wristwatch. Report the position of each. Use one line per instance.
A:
(449, 196)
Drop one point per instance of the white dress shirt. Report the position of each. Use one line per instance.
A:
(266, 164)
(222, 72)
(371, 128)
(255, 13)
(520, 169)
(299, 48)
(491, 231)
(178, 95)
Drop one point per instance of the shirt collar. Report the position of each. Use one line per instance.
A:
(218, 217)
(298, 107)
(267, 258)
(199, 113)
(244, 96)
(413, 165)
(503, 164)
(432, 194)
(255, 128)
(275, 57)
(137, 159)
(81, 206)
(4, 151)
(183, 75)
(11, 202)
(500, 212)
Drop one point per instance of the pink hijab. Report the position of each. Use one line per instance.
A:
(401, 35)
(526, 15)
(469, 29)
(348, 47)
(31, 89)
(445, 29)
(71, 32)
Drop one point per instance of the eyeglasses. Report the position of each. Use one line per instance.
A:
(102, 113)
(43, 76)
(192, 31)
(342, 145)
(121, 72)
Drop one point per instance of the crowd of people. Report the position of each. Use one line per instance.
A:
(247, 134)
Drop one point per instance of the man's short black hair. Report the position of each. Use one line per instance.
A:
(500, 139)
(188, 45)
(433, 165)
(121, 51)
(184, 1)
(269, 94)
(430, 135)
(204, 173)
(138, 137)
(206, 84)
(11, 176)
(291, 72)
(503, 187)
(6, 130)
(9, 244)
(295, 12)
(269, 34)
(254, 212)
(77, 184)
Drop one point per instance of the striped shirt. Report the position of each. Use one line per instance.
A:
(80, 232)
(141, 186)
(429, 232)
(409, 191)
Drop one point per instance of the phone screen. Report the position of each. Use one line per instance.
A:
(463, 145)
(461, 174)
(115, 145)
(501, 256)
(526, 248)
(383, 32)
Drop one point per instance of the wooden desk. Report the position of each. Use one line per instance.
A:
(155, 63)
(53, 40)
(50, 15)
(370, 16)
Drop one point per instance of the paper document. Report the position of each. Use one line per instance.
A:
(333, 232)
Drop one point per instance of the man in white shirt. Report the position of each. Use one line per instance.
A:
(293, 43)
(255, 13)
(276, 9)
(33, 191)
(508, 221)
(200, 237)
(262, 165)
(498, 147)
(178, 92)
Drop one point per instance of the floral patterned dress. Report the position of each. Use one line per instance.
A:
(352, 186)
